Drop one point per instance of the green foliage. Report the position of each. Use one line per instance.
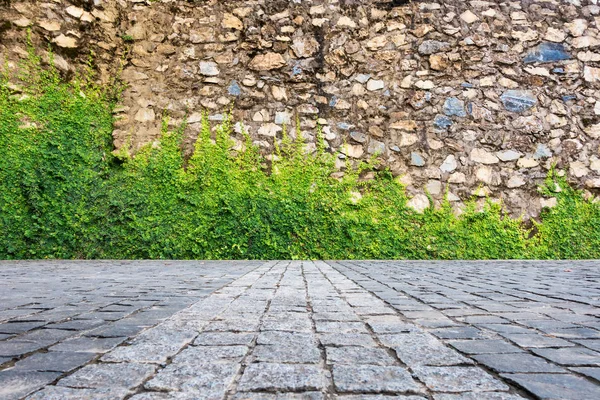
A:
(64, 195)
(570, 230)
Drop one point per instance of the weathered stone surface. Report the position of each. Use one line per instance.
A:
(547, 52)
(374, 379)
(54, 361)
(267, 62)
(517, 363)
(17, 384)
(206, 379)
(518, 100)
(369, 323)
(553, 386)
(282, 377)
(458, 379)
(65, 393)
(353, 355)
(124, 376)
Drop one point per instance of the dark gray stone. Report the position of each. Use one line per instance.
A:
(518, 100)
(576, 356)
(12, 347)
(547, 52)
(19, 327)
(556, 386)
(458, 379)
(536, 341)
(18, 384)
(429, 47)
(517, 363)
(459, 332)
(88, 345)
(592, 372)
(486, 346)
(54, 361)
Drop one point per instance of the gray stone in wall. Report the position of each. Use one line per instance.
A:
(454, 107)
(547, 52)
(429, 47)
(518, 100)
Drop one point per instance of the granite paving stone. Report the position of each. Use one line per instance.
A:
(458, 379)
(292, 330)
(486, 346)
(517, 363)
(54, 361)
(556, 386)
(65, 393)
(117, 375)
(282, 377)
(592, 372)
(374, 379)
(18, 384)
(571, 356)
(354, 355)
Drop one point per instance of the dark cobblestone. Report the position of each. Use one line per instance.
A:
(299, 330)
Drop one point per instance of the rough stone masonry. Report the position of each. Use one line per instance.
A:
(478, 96)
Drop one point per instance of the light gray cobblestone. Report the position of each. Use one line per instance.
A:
(301, 330)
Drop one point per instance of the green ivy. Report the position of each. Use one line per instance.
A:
(63, 194)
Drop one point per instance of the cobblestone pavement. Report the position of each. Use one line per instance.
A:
(300, 330)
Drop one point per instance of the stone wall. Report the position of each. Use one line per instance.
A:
(478, 96)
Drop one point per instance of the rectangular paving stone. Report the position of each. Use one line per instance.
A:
(224, 339)
(18, 384)
(54, 361)
(204, 354)
(117, 329)
(459, 332)
(354, 355)
(152, 346)
(19, 327)
(593, 344)
(422, 349)
(77, 325)
(88, 345)
(556, 386)
(282, 377)
(286, 353)
(340, 327)
(477, 396)
(47, 335)
(517, 363)
(536, 341)
(374, 379)
(575, 333)
(65, 393)
(574, 356)
(346, 339)
(486, 346)
(279, 396)
(120, 375)
(458, 379)
(205, 380)
(13, 347)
